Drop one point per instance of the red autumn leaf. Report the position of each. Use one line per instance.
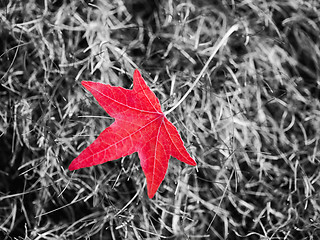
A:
(139, 126)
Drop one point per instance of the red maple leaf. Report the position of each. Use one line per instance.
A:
(139, 126)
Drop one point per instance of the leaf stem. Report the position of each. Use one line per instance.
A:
(215, 50)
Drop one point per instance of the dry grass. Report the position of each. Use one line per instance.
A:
(251, 122)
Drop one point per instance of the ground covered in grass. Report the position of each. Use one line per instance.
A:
(252, 122)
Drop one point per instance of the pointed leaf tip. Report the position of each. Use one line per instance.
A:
(84, 83)
(136, 73)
